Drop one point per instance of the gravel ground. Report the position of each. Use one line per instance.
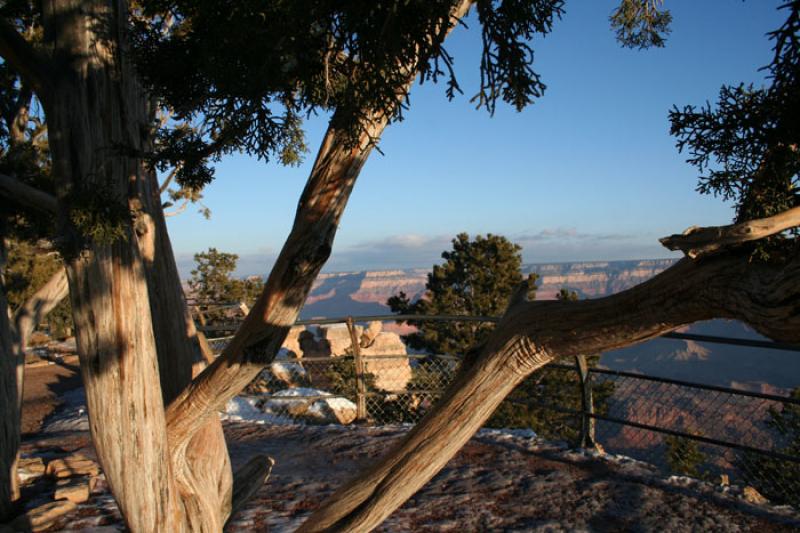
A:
(500, 481)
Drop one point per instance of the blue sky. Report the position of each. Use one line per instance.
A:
(587, 172)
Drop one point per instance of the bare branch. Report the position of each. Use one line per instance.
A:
(27, 196)
(698, 242)
(31, 313)
(178, 210)
(248, 479)
(169, 178)
(33, 66)
(39, 305)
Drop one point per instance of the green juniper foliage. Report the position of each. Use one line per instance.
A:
(212, 282)
(746, 146)
(684, 456)
(303, 57)
(476, 279)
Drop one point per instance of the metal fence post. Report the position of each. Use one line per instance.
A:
(587, 435)
(361, 387)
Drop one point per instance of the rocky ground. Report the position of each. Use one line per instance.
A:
(500, 481)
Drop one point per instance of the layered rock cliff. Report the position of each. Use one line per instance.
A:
(366, 292)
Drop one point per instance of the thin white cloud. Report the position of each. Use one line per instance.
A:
(549, 245)
(569, 234)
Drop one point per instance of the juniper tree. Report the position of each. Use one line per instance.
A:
(476, 279)
(239, 75)
(243, 74)
(684, 456)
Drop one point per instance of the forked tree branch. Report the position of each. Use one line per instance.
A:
(27, 196)
(698, 242)
(308, 246)
(32, 65)
(39, 305)
(33, 311)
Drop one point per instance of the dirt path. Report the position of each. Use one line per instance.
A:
(45, 381)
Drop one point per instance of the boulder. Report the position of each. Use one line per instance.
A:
(391, 373)
(282, 373)
(312, 346)
(335, 410)
(73, 465)
(338, 338)
(76, 490)
(310, 405)
(43, 517)
(292, 342)
(30, 468)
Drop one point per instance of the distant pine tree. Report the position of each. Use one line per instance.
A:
(477, 279)
(684, 456)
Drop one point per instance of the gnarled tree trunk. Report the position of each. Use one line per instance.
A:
(14, 335)
(531, 334)
(9, 414)
(99, 129)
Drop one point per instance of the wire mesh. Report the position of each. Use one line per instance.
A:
(712, 433)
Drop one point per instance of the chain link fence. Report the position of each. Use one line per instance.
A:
(718, 434)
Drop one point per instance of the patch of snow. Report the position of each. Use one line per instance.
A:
(241, 409)
(71, 415)
(301, 391)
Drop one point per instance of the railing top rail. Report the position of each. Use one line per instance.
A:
(398, 318)
(681, 383)
(734, 341)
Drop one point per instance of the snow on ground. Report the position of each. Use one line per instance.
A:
(71, 415)
(500, 481)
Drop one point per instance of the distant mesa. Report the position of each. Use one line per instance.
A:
(366, 292)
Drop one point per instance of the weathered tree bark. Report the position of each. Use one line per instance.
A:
(99, 129)
(30, 314)
(180, 358)
(697, 242)
(9, 414)
(308, 246)
(533, 333)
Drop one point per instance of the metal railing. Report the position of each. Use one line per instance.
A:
(711, 432)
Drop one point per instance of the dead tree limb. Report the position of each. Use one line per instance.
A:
(697, 242)
(28, 316)
(532, 334)
(248, 479)
(27, 196)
